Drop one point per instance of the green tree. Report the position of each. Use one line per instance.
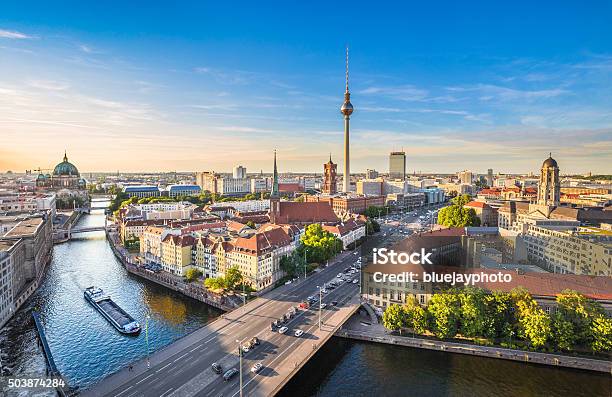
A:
(461, 200)
(564, 334)
(320, 245)
(601, 331)
(475, 316)
(394, 318)
(533, 323)
(445, 313)
(579, 311)
(215, 283)
(192, 274)
(251, 224)
(416, 316)
(458, 216)
(233, 277)
(292, 264)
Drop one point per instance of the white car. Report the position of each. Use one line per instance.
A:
(298, 333)
(282, 330)
(323, 291)
(245, 349)
(355, 281)
(339, 275)
(256, 368)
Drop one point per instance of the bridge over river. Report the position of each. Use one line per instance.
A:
(184, 367)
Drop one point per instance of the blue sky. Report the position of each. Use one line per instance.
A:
(209, 86)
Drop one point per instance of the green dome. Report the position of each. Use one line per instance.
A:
(65, 168)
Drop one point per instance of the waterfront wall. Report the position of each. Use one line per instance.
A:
(483, 351)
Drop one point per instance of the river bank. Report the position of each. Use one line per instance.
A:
(555, 360)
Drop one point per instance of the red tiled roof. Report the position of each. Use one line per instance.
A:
(476, 204)
(290, 187)
(306, 212)
(263, 241)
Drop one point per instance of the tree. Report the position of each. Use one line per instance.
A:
(374, 211)
(416, 316)
(292, 264)
(461, 200)
(601, 330)
(474, 314)
(192, 274)
(458, 216)
(394, 318)
(233, 277)
(577, 312)
(372, 226)
(251, 224)
(445, 313)
(320, 245)
(533, 323)
(564, 334)
(215, 283)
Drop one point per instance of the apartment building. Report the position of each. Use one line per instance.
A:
(579, 250)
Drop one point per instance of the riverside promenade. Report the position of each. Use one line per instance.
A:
(359, 328)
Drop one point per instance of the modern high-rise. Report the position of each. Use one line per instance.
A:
(371, 174)
(347, 110)
(397, 165)
(329, 177)
(240, 172)
(466, 177)
(490, 177)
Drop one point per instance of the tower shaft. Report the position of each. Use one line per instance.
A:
(346, 184)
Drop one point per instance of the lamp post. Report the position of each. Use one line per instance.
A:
(305, 262)
(320, 301)
(147, 339)
(240, 363)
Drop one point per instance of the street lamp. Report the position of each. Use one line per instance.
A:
(320, 301)
(147, 339)
(240, 363)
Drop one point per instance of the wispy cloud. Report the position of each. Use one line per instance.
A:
(49, 85)
(404, 92)
(13, 34)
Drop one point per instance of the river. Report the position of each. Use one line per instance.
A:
(86, 348)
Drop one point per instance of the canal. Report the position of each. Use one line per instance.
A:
(86, 348)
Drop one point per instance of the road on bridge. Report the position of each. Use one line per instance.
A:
(184, 367)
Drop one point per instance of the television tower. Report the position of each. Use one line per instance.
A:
(347, 110)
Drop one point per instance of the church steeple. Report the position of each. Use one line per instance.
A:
(65, 156)
(275, 192)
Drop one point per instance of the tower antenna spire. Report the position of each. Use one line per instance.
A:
(347, 69)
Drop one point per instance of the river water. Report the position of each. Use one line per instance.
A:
(86, 348)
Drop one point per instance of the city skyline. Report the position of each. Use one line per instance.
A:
(121, 99)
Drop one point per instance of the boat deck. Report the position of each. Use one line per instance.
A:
(121, 317)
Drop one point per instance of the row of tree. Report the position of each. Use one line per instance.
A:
(456, 215)
(511, 319)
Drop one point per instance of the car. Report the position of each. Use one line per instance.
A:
(323, 305)
(339, 275)
(355, 281)
(298, 333)
(229, 374)
(304, 305)
(334, 303)
(254, 341)
(288, 282)
(324, 291)
(282, 330)
(256, 368)
(272, 325)
(245, 349)
(216, 367)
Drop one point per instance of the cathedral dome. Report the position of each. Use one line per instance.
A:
(65, 168)
(550, 163)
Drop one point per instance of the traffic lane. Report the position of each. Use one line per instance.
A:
(256, 380)
(280, 342)
(228, 329)
(178, 371)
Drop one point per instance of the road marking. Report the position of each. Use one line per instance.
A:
(124, 391)
(166, 392)
(180, 357)
(163, 367)
(143, 379)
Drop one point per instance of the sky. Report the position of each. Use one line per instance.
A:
(210, 85)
